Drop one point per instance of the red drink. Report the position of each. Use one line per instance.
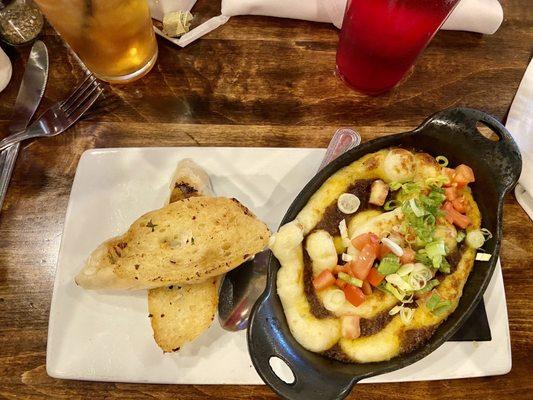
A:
(381, 39)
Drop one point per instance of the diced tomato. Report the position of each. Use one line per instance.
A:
(366, 238)
(447, 207)
(354, 295)
(408, 256)
(383, 250)
(324, 280)
(340, 283)
(374, 277)
(375, 245)
(463, 175)
(450, 173)
(342, 268)
(363, 262)
(460, 204)
(350, 326)
(451, 193)
(455, 217)
(460, 220)
(367, 289)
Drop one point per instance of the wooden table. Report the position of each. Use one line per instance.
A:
(254, 82)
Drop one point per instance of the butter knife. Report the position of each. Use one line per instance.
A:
(29, 96)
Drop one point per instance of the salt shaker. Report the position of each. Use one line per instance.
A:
(20, 21)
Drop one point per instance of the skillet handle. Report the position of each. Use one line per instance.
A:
(502, 157)
(311, 380)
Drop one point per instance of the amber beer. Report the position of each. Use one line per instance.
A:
(114, 38)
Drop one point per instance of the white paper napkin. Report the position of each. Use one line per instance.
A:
(520, 124)
(483, 16)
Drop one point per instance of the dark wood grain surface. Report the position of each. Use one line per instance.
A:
(254, 82)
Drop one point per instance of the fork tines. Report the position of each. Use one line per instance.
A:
(87, 87)
(82, 97)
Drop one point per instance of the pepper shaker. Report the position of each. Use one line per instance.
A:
(20, 21)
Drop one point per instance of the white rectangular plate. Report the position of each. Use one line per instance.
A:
(107, 337)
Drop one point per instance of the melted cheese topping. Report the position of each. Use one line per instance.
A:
(319, 335)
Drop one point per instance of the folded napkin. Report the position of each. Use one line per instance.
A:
(520, 124)
(482, 16)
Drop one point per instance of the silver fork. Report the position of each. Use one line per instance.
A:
(61, 115)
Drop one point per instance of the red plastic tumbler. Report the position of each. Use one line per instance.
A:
(381, 39)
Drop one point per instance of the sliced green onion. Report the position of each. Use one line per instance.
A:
(433, 200)
(420, 276)
(429, 286)
(406, 315)
(419, 212)
(350, 279)
(475, 239)
(422, 257)
(486, 233)
(443, 161)
(444, 266)
(381, 287)
(343, 229)
(405, 269)
(395, 310)
(433, 301)
(391, 205)
(436, 262)
(399, 294)
(389, 264)
(437, 181)
(429, 219)
(395, 186)
(397, 281)
(442, 307)
(410, 187)
(423, 270)
(409, 299)
(460, 236)
(417, 281)
(395, 247)
(435, 249)
(483, 256)
(436, 305)
(348, 203)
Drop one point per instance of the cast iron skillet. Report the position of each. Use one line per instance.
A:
(452, 133)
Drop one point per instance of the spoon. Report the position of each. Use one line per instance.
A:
(242, 286)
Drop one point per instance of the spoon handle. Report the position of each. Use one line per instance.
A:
(343, 140)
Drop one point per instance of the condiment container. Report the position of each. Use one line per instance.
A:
(20, 21)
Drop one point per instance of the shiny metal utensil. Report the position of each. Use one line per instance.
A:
(343, 140)
(61, 115)
(242, 286)
(29, 96)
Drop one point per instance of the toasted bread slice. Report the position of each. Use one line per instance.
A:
(185, 242)
(181, 313)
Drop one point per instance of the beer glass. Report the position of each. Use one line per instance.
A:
(114, 38)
